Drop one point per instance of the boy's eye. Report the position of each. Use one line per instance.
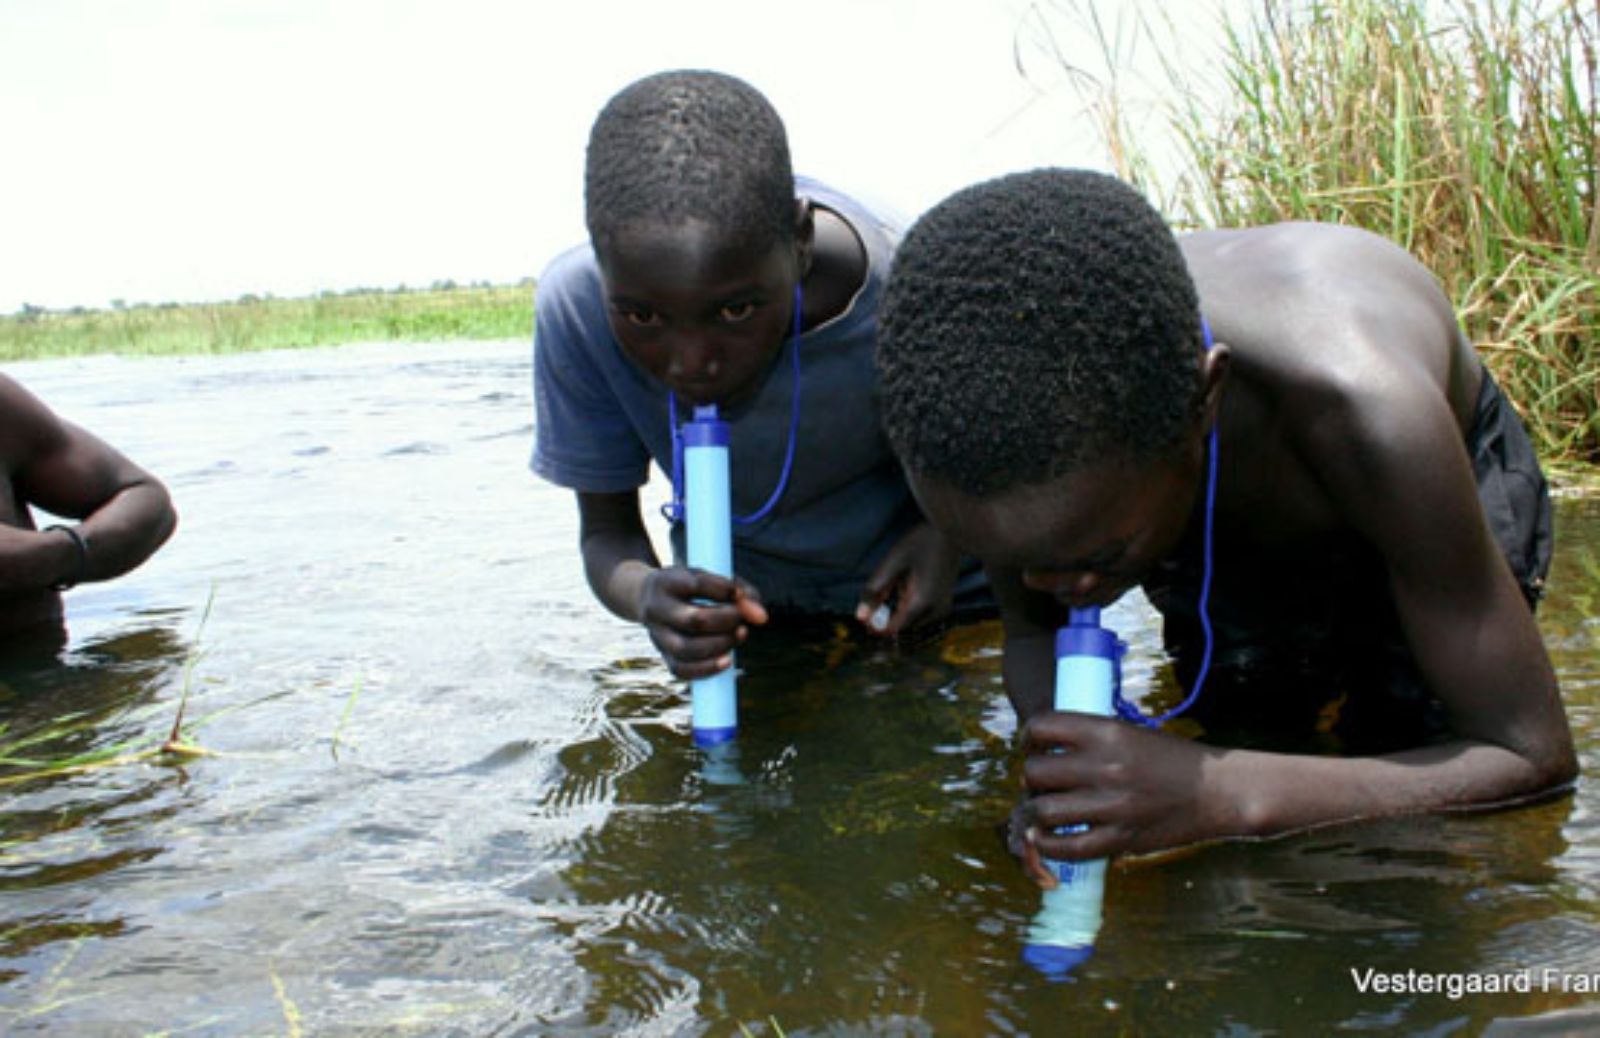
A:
(733, 313)
(640, 318)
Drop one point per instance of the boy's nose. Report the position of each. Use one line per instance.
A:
(693, 359)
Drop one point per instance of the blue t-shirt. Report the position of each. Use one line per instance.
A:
(600, 421)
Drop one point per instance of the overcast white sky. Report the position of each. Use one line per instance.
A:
(200, 149)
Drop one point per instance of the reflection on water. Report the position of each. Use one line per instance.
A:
(451, 796)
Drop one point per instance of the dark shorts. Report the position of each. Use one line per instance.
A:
(1320, 664)
(1512, 488)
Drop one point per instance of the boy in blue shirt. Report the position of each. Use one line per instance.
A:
(713, 275)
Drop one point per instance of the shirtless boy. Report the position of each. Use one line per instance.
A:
(123, 515)
(1380, 525)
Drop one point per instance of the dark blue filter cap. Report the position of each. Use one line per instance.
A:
(1056, 961)
(1073, 640)
(705, 431)
(704, 737)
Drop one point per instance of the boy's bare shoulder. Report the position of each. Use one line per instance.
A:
(1346, 357)
(1319, 311)
(1291, 242)
(1318, 271)
(25, 423)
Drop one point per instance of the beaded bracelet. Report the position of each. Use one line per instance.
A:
(83, 557)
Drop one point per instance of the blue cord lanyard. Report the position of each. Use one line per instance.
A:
(1130, 711)
(673, 509)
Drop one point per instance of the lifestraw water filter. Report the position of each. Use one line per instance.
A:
(1062, 935)
(708, 523)
(702, 499)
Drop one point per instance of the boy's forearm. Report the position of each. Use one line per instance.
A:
(1251, 793)
(34, 560)
(113, 539)
(1028, 668)
(126, 530)
(1029, 662)
(616, 568)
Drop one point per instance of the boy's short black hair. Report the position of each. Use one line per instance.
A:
(690, 145)
(1032, 324)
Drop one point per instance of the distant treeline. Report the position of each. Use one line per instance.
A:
(1464, 130)
(442, 311)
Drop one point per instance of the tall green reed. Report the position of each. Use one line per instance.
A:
(1464, 130)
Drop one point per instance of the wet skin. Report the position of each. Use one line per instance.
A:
(124, 515)
(707, 315)
(1342, 388)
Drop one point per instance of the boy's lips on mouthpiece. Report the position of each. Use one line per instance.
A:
(697, 393)
(1102, 598)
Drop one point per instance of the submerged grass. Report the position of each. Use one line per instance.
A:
(1464, 130)
(250, 323)
(291, 1012)
(176, 747)
(26, 756)
(349, 708)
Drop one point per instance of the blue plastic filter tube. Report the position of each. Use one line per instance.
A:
(1062, 935)
(708, 529)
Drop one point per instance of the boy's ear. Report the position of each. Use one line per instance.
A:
(805, 232)
(1214, 365)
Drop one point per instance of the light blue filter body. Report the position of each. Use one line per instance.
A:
(708, 532)
(1062, 935)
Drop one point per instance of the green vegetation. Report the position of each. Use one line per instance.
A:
(365, 315)
(22, 762)
(1464, 130)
